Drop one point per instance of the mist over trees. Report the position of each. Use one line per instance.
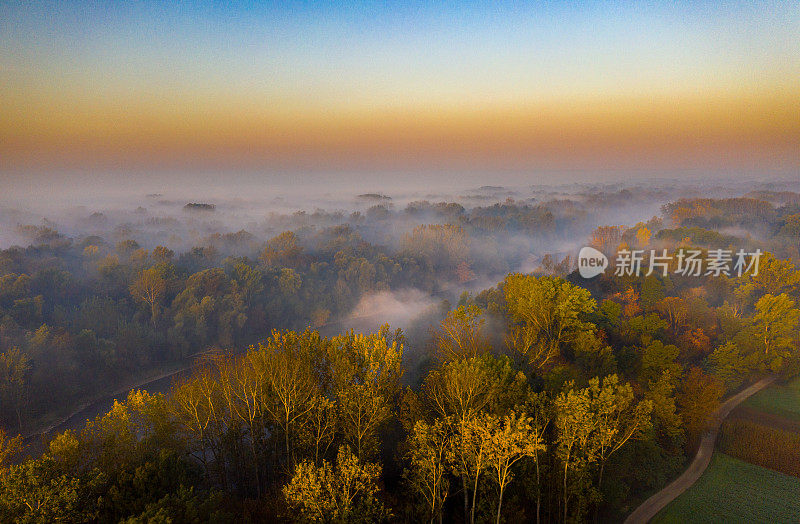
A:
(515, 391)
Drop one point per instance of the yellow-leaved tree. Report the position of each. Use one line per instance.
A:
(505, 441)
(344, 492)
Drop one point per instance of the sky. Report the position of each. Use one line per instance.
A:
(433, 87)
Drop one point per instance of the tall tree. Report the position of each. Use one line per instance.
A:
(619, 419)
(366, 372)
(699, 396)
(459, 391)
(473, 452)
(509, 439)
(287, 365)
(574, 426)
(430, 454)
(197, 407)
(14, 367)
(150, 288)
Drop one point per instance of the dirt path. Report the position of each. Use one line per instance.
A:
(657, 502)
(101, 403)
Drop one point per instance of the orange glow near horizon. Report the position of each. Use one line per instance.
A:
(668, 130)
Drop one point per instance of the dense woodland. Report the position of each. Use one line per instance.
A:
(524, 394)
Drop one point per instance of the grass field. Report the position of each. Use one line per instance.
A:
(782, 400)
(732, 490)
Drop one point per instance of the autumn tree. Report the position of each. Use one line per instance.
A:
(509, 439)
(775, 277)
(8, 448)
(643, 235)
(574, 424)
(441, 246)
(473, 453)
(318, 431)
(211, 308)
(667, 423)
(344, 492)
(775, 325)
(14, 368)
(465, 387)
(197, 407)
(162, 254)
(675, 311)
(619, 419)
(592, 424)
(607, 238)
(129, 431)
(36, 491)
(150, 288)
(699, 396)
(545, 315)
(551, 266)
(459, 391)
(430, 456)
(286, 363)
(460, 334)
(243, 385)
(282, 251)
(657, 358)
(365, 372)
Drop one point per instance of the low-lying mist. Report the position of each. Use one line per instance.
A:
(498, 228)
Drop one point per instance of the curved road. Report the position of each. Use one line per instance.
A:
(161, 383)
(657, 502)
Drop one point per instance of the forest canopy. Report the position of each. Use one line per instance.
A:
(512, 389)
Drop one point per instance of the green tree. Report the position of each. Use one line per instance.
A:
(667, 423)
(210, 310)
(184, 505)
(728, 364)
(775, 276)
(35, 491)
(657, 358)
